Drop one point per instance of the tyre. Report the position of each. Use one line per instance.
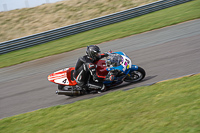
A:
(65, 88)
(136, 76)
(60, 87)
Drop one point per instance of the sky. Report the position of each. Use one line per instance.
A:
(6, 5)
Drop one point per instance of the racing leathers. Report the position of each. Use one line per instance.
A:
(85, 73)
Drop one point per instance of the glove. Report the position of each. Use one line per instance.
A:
(110, 51)
(104, 55)
(109, 77)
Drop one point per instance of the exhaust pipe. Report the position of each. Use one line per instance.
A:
(69, 93)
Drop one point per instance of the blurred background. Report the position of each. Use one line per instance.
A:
(7, 5)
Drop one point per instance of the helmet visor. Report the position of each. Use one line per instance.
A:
(97, 54)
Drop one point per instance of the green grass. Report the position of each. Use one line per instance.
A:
(169, 107)
(27, 21)
(159, 19)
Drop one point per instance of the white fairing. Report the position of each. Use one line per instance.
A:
(62, 81)
(61, 77)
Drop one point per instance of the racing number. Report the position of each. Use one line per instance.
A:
(126, 63)
(64, 81)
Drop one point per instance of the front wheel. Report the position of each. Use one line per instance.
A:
(135, 76)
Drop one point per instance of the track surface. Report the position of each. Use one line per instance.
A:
(164, 53)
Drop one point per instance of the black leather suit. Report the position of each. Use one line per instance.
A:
(85, 72)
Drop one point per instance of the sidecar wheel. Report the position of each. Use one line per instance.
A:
(60, 87)
(136, 76)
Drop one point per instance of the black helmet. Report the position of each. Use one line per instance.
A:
(93, 52)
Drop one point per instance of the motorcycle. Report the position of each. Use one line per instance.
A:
(117, 62)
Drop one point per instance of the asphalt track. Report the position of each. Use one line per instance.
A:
(164, 53)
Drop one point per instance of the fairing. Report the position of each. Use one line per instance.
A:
(63, 77)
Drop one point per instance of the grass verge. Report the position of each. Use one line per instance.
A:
(27, 21)
(159, 19)
(167, 107)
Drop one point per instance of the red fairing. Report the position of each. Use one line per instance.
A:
(101, 69)
(63, 77)
(69, 76)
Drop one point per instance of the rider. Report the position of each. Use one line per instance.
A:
(85, 68)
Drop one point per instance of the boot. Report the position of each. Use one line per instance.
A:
(103, 88)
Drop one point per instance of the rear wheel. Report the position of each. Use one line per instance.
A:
(65, 88)
(136, 76)
(60, 87)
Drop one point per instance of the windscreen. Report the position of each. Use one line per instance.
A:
(113, 60)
